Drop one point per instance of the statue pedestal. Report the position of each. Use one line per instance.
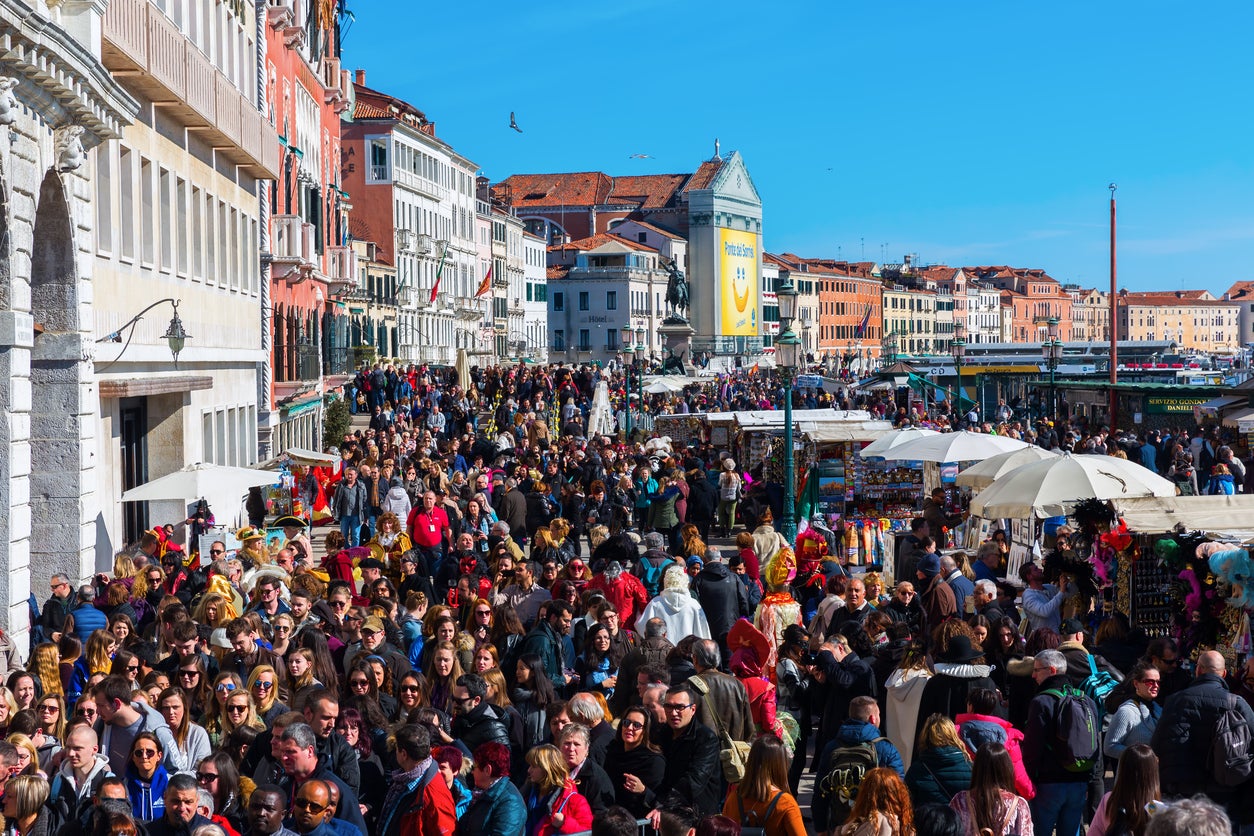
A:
(676, 337)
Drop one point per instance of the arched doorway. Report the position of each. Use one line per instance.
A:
(58, 383)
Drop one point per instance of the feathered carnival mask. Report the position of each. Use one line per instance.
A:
(781, 570)
(811, 548)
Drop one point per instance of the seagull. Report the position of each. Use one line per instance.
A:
(513, 123)
(639, 157)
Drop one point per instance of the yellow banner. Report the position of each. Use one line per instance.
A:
(738, 282)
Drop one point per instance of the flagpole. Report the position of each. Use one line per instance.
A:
(435, 288)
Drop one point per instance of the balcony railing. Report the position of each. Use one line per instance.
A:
(145, 48)
(308, 366)
(341, 269)
(294, 244)
(336, 360)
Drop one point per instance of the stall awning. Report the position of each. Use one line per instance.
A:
(754, 419)
(846, 431)
(1243, 421)
(1217, 405)
(1213, 514)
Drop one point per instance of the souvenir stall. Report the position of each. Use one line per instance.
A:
(828, 487)
(1182, 573)
(300, 491)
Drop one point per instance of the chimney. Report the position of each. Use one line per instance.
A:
(361, 77)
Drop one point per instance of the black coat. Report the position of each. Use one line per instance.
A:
(723, 598)
(850, 677)
(645, 764)
(702, 500)
(595, 786)
(484, 723)
(946, 693)
(692, 766)
(1185, 732)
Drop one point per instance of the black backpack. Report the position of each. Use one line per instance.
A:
(1077, 730)
(849, 766)
(1231, 760)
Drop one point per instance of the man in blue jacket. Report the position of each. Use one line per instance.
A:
(87, 618)
(862, 726)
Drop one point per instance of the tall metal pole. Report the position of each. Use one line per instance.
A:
(788, 525)
(1114, 317)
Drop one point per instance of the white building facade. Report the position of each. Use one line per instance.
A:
(177, 206)
(57, 103)
(536, 298)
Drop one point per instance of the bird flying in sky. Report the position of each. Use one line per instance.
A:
(639, 157)
(513, 123)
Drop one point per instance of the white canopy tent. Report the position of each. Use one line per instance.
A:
(1232, 515)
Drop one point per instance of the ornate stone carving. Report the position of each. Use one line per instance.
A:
(69, 148)
(8, 100)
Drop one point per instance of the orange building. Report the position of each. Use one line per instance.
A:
(311, 261)
(1033, 298)
(850, 306)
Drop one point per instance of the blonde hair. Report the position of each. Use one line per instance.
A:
(937, 731)
(500, 690)
(45, 663)
(99, 645)
(21, 741)
(550, 761)
(273, 692)
(123, 566)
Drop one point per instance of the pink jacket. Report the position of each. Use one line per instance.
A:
(977, 729)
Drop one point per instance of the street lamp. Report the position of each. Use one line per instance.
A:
(629, 349)
(1051, 350)
(175, 335)
(787, 360)
(958, 348)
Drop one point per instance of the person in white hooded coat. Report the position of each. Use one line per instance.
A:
(677, 608)
(397, 500)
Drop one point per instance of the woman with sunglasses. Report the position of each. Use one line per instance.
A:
(410, 696)
(191, 738)
(236, 713)
(283, 627)
(146, 777)
(374, 779)
(192, 678)
(125, 663)
(363, 685)
(217, 775)
(635, 766)
(214, 721)
(263, 686)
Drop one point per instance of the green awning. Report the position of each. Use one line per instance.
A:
(918, 382)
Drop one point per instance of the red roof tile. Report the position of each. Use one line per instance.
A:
(648, 191)
(372, 104)
(1240, 289)
(559, 272)
(705, 175)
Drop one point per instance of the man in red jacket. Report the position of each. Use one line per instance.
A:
(418, 802)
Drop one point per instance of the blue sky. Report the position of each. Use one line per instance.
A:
(968, 133)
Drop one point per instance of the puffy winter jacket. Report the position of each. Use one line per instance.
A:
(851, 733)
(1185, 732)
(977, 729)
(936, 775)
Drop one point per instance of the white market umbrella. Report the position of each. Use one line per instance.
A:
(1051, 487)
(955, 447)
(201, 480)
(892, 440)
(988, 471)
(661, 387)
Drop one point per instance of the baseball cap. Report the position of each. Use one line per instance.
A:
(371, 563)
(1070, 626)
(372, 625)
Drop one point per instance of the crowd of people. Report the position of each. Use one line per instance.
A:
(515, 627)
